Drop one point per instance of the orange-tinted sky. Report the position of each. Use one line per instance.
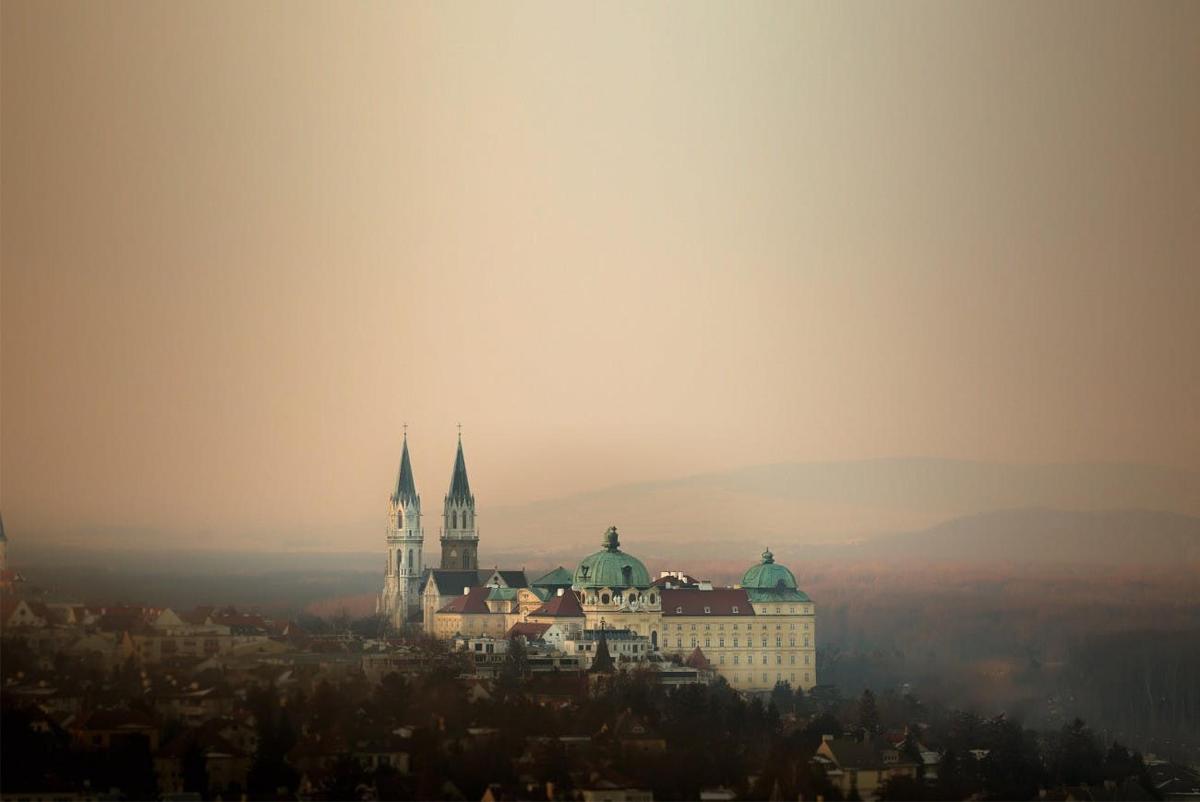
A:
(243, 243)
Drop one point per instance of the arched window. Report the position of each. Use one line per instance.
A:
(410, 562)
(398, 559)
(454, 520)
(466, 521)
(466, 560)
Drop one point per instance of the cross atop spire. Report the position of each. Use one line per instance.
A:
(405, 491)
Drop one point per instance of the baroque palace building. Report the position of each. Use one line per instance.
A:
(754, 634)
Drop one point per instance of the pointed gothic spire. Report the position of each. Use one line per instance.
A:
(460, 488)
(406, 489)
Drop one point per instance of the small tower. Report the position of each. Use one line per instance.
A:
(405, 539)
(460, 539)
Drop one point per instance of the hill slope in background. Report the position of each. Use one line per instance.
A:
(1042, 536)
(729, 515)
(830, 502)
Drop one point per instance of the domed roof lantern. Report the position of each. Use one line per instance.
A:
(611, 542)
(768, 575)
(610, 567)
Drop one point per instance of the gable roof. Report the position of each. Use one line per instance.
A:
(474, 602)
(527, 629)
(564, 606)
(451, 581)
(558, 577)
(502, 594)
(719, 601)
(510, 579)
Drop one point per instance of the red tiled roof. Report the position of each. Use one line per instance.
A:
(719, 601)
(528, 629)
(564, 606)
(474, 602)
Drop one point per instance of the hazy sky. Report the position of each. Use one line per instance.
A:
(243, 243)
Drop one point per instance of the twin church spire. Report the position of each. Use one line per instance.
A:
(406, 536)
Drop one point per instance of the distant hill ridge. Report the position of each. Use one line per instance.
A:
(1043, 536)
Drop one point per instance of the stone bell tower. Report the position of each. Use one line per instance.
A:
(405, 538)
(460, 538)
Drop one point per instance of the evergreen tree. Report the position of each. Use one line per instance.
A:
(868, 713)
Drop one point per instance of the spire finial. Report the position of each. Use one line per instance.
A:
(460, 432)
(767, 556)
(405, 425)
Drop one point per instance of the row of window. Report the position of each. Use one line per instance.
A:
(749, 642)
(679, 627)
(737, 677)
(618, 597)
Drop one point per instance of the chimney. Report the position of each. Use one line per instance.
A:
(466, 590)
(560, 591)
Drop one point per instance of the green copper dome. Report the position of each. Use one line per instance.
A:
(610, 568)
(768, 575)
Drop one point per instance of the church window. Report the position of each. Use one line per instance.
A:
(466, 560)
(410, 561)
(791, 641)
(679, 643)
(778, 641)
